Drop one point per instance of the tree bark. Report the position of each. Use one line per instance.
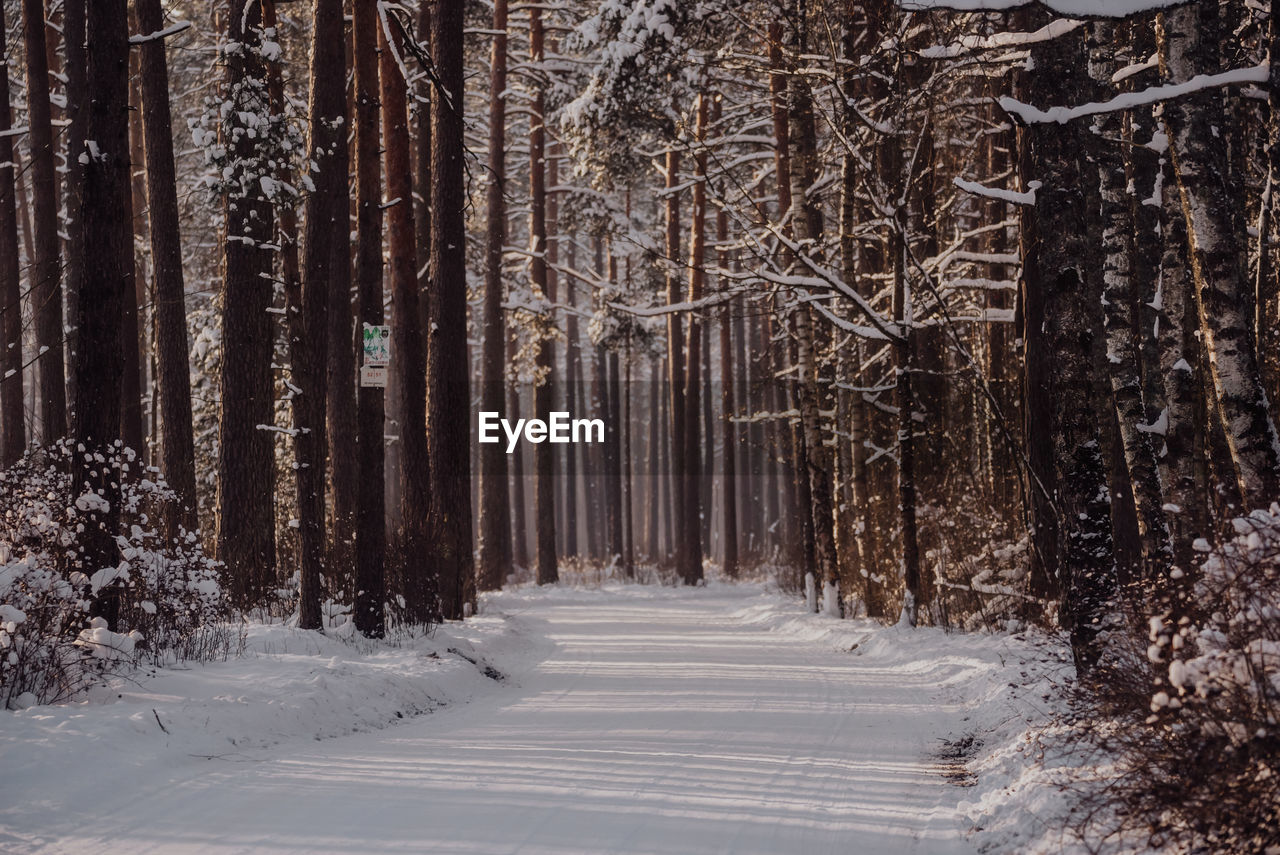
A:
(447, 364)
(104, 288)
(495, 508)
(1189, 38)
(13, 440)
(371, 533)
(689, 551)
(544, 462)
(46, 271)
(174, 380)
(408, 361)
(1063, 318)
(246, 465)
(1119, 324)
(325, 224)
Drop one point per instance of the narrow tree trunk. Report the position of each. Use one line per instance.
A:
(729, 479)
(77, 88)
(495, 512)
(409, 359)
(675, 365)
(370, 550)
(689, 550)
(174, 381)
(654, 463)
(544, 462)
(448, 392)
(1118, 305)
(46, 264)
(13, 438)
(325, 223)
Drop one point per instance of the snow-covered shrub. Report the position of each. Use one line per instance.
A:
(167, 596)
(1199, 742)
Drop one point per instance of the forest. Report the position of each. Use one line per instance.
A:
(953, 315)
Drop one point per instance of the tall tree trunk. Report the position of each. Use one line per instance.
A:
(519, 529)
(675, 364)
(689, 551)
(1189, 43)
(409, 359)
(246, 465)
(73, 40)
(325, 224)
(1119, 323)
(544, 462)
(495, 507)
(1063, 317)
(654, 462)
(729, 481)
(448, 388)
(46, 269)
(104, 289)
(174, 381)
(13, 438)
(334, 209)
(371, 533)
(806, 221)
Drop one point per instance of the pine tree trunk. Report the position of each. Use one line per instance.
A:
(572, 388)
(13, 438)
(675, 368)
(689, 551)
(46, 272)
(654, 463)
(174, 381)
(325, 224)
(246, 465)
(77, 87)
(1180, 359)
(1189, 43)
(408, 348)
(730, 480)
(448, 392)
(370, 548)
(104, 289)
(1119, 324)
(1063, 319)
(544, 462)
(495, 509)
(806, 221)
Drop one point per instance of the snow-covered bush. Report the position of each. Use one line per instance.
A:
(1199, 742)
(166, 594)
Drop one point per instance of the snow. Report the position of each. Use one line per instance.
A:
(1018, 198)
(1083, 8)
(629, 720)
(1129, 100)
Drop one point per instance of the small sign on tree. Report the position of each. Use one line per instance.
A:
(377, 344)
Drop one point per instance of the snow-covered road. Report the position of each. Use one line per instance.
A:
(658, 722)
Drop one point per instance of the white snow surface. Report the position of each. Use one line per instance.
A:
(629, 719)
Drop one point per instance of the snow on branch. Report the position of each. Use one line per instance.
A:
(1051, 30)
(1025, 198)
(1033, 115)
(179, 27)
(1074, 8)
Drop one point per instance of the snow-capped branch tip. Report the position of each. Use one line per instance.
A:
(159, 35)
(1071, 8)
(1033, 115)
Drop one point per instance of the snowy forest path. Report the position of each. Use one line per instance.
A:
(662, 722)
